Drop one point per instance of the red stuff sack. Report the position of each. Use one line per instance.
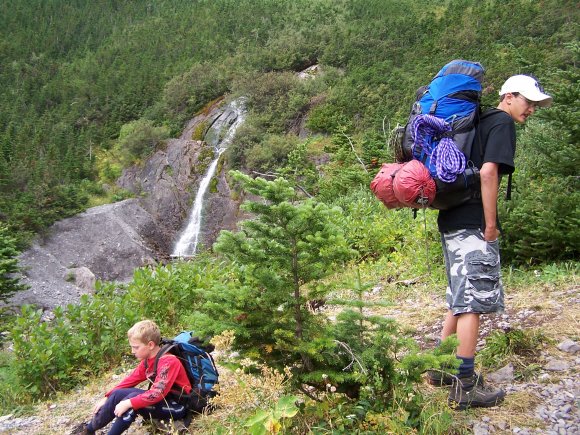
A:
(382, 185)
(413, 185)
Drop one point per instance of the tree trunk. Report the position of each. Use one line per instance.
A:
(298, 307)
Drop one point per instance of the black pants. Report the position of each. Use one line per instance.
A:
(167, 409)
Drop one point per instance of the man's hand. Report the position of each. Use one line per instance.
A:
(490, 234)
(122, 407)
(99, 405)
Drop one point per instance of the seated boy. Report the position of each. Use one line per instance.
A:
(126, 402)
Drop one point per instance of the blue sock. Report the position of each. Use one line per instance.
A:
(467, 366)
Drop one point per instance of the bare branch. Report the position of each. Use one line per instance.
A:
(304, 190)
(385, 129)
(408, 282)
(276, 175)
(309, 394)
(267, 174)
(352, 355)
(356, 155)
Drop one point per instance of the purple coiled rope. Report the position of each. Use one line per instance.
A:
(448, 160)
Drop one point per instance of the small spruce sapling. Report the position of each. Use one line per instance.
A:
(282, 253)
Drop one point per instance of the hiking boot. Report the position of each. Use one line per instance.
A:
(81, 429)
(441, 378)
(466, 393)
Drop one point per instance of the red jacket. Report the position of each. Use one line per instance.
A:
(171, 376)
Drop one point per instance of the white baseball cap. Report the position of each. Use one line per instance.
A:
(528, 87)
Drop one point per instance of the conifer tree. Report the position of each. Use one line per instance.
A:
(283, 252)
(8, 264)
(541, 223)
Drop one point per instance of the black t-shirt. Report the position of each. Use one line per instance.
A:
(496, 136)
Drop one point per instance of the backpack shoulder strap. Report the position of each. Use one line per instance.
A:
(164, 349)
(493, 111)
(486, 113)
(508, 191)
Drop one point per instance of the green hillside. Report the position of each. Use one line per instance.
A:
(75, 72)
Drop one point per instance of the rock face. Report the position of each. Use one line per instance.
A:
(108, 242)
(166, 184)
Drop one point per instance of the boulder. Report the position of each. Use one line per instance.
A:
(82, 277)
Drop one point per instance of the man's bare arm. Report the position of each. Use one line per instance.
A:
(489, 191)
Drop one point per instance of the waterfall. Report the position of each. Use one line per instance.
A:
(219, 135)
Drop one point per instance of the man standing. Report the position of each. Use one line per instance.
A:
(469, 235)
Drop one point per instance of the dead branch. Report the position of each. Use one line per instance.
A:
(356, 155)
(408, 282)
(352, 355)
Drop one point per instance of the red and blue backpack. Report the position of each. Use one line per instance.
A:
(440, 134)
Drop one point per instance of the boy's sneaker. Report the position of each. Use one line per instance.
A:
(466, 393)
(440, 378)
(81, 429)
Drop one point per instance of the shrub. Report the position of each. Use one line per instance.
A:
(270, 153)
(166, 294)
(373, 231)
(139, 138)
(275, 99)
(199, 131)
(91, 336)
(326, 118)
(13, 394)
(291, 244)
(187, 93)
(86, 338)
(517, 346)
(281, 257)
(345, 171)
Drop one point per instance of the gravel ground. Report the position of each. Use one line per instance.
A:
(554, 390)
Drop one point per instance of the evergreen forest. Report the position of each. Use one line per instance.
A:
(88, 88)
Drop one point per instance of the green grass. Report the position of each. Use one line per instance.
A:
(519, 346)
(552, 274)
(14, 398)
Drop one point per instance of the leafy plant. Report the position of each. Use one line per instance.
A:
(139, 138)
(272, 421)
(167, 293)
(88, 337)
(14, 396)
(514, 345)
(275, 99)
(270, 153)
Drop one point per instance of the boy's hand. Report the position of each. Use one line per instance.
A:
(99, 405)
(122, 407)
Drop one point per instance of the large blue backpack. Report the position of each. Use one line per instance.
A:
(199, 366)
(441, 130)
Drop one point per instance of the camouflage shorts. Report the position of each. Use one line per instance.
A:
(473, 272)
